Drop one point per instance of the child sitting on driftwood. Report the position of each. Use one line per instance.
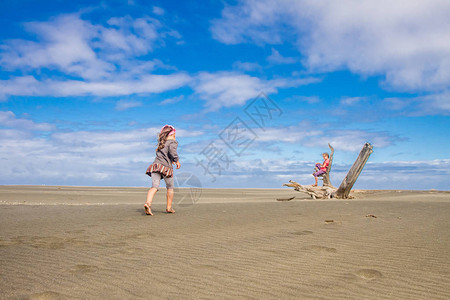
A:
(321, 168)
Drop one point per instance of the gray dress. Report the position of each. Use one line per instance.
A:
(164, 159)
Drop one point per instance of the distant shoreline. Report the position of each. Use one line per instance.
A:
(206, 188)
(81, 195)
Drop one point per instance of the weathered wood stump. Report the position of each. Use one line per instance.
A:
(353, 174)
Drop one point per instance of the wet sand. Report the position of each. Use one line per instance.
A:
(79, 242)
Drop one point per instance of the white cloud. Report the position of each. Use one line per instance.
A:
(264, 173)
(254, 20)
(351, 140)
(30, 86)
(120, 158)
(433, 104)
(406, 41)
(247, 66)
(64, 45)
(7, 135)
(80, 157)
(145, 84)
(77, 47)
(9, 119)
(101, 60)
(289, 134)
(308, 99)
(416, 175)
(312, 135)
(226, 89)
(348, 101)
(158, 10)
(172, 100)
(126, 104)
(277, 58)
(222, 89)
(309, 135)
(129, 36)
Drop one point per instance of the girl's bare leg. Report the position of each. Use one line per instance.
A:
(169, 208)
(315, 184)
(148, 204)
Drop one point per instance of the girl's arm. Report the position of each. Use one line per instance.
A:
(173, 154)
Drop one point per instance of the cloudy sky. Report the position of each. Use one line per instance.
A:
(256, 90)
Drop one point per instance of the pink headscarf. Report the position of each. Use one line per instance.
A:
(173, 129)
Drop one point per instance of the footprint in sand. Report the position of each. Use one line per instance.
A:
(18, 240)
(49, 295)
(79, 231)
(304, 232)
(141, 236)
(112, 244)
(5, 243)
(48, 242)
(369, 274)
(318, 248)
(131, 250)
(83, 269)
(207, 267)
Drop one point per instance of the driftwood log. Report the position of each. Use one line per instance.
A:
(327, 190)
(316, 192)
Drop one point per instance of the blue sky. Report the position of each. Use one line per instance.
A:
(85, 87)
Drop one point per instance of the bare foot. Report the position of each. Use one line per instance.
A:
(314, 185)
(170, 210)
(148, 210)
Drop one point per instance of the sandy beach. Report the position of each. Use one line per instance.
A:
(97, 243)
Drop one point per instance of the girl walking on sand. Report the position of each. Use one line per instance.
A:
(166, 155)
